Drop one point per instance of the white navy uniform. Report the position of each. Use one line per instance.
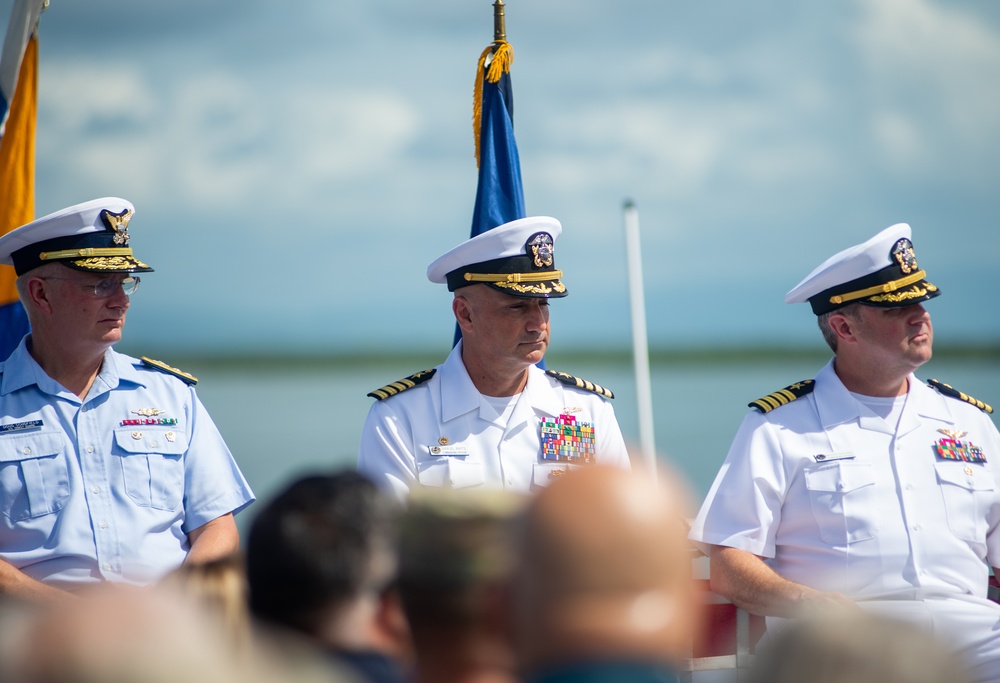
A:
(835, 498)
(444, 433)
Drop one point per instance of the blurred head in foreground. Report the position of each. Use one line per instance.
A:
(455, 561)
(604, 573)
(854, 647)
(219, 589)
(321, 561)
(133, 635)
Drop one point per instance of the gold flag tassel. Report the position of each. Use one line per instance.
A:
(503, 57)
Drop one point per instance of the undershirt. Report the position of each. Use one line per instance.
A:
(889, 408)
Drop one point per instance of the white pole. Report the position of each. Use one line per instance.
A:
(640, 345)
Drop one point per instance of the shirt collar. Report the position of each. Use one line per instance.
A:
(22, 370)
(835, 404)
(458, 394)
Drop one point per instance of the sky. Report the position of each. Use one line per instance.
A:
(296, 166)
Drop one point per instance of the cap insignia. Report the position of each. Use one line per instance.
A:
(119, 223)
(542, 249)
(903, 252)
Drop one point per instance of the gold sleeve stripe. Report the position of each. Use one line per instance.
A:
(579, 383)
(402, 385)
(948, 390)
(766, 404)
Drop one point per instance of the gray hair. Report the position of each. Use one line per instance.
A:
(829, 336)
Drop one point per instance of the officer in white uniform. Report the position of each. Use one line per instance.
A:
(489, 416)
(864, 485)
(111, 469)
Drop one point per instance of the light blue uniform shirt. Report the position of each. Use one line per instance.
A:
(85, 495)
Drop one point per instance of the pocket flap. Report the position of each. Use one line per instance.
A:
(143, 439)
(15, 447)
(543, 474)
(456, 473)
(965, 475)
(840, 477)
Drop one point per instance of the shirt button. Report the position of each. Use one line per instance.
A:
(107, 566)
(154, 444)
(909, 487)
(27, 451)
(96, 489)
(104, 525)
(916, 527)
(90, 449)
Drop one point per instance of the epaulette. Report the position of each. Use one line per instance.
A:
(947, 390)
(402, 385)
(581, 383)
(766, 404)
(160, 365)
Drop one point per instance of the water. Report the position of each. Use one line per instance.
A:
(283, 421)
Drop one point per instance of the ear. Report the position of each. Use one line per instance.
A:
(462, 308)
(845, 327)
(38, 295)
(392, 623)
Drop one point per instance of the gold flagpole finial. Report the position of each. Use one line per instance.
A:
(499, 23)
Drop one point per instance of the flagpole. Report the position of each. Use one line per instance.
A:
(499, 22)
(640, 345)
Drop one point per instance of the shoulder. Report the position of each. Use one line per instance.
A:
(147, 363)
(766, 404)
(951, 392)
(578, 383)
(399, 386)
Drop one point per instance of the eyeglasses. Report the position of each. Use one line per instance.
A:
(106, 288)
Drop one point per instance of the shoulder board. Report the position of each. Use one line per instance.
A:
(413, 380)
(947, 390)
(766, 404)
(163, 367)
(581, 383)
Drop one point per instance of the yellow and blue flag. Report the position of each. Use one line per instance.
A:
(499, 193)
(18, 107)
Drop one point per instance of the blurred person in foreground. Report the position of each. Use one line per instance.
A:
(321, 562)
(865, 486)
(489, 416)
(456, 558)
(854, 647)
(140, 635)
(218, 588)
(111, 469)
(603, 588)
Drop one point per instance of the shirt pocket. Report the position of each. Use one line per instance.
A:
(449, 472)
(152, 466)
(34, 475)
(543, 474)
(968, 491)
(842, 495)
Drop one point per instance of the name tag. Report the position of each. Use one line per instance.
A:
(20, 426)
(455, 449)
(827, 457)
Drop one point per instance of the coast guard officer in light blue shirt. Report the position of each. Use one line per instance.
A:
(111, 470)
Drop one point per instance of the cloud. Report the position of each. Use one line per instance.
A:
(932, 72)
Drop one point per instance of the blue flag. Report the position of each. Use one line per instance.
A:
(499, 194)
